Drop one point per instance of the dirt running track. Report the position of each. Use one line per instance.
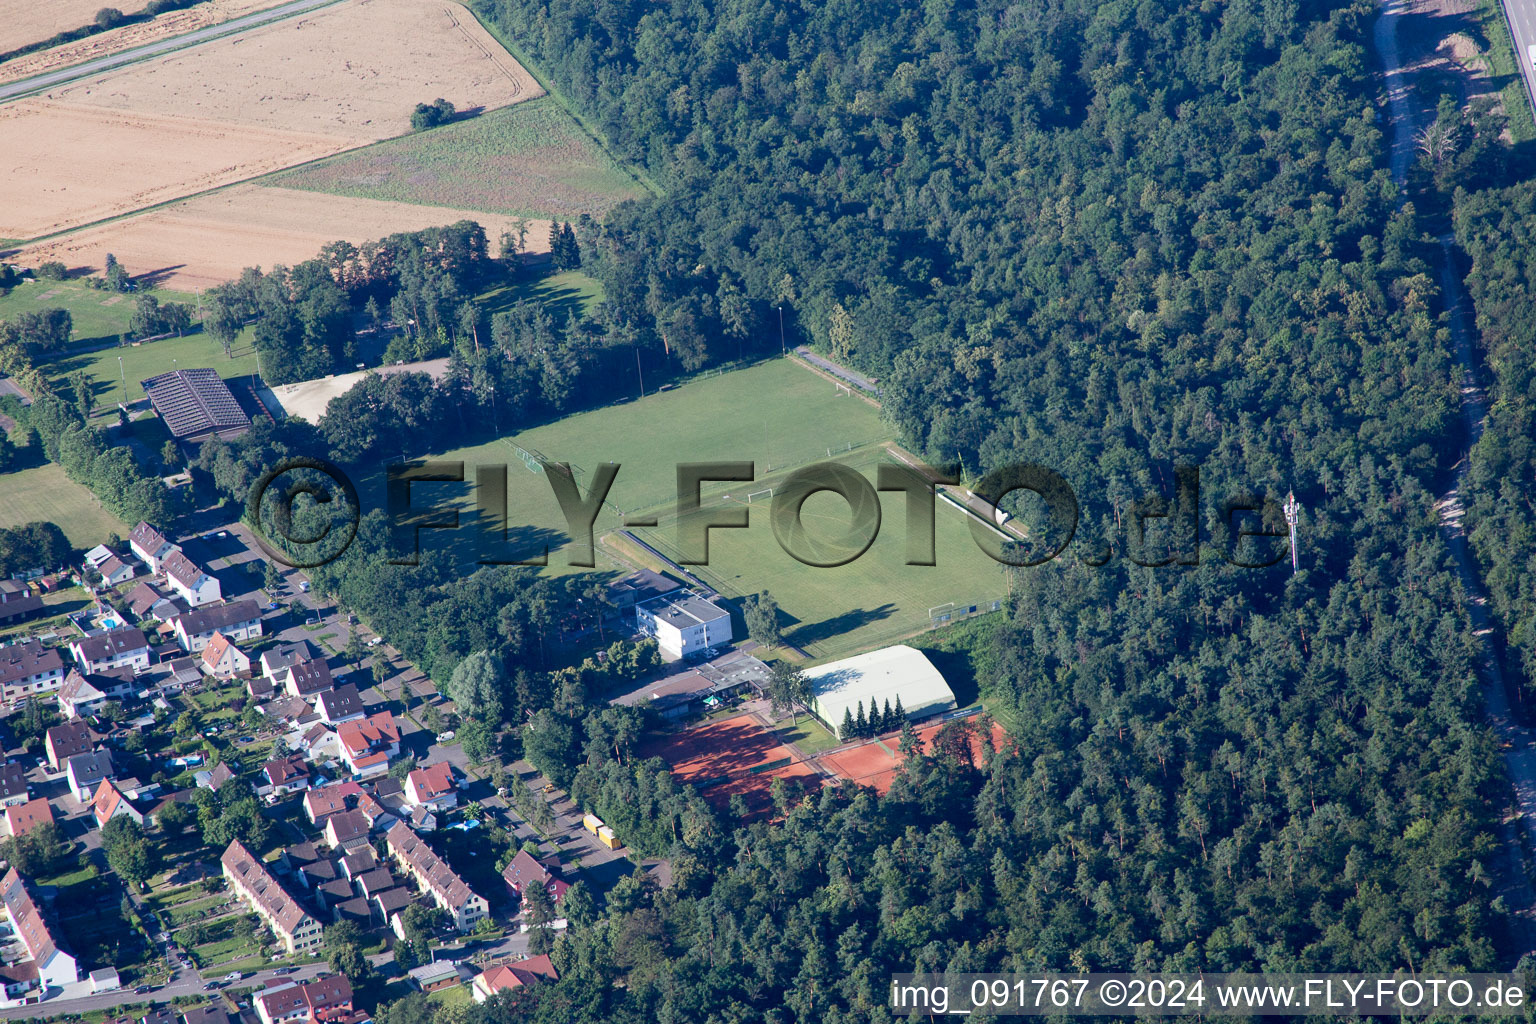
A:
(209, 240)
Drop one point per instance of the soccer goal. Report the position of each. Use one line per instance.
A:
(532, 461)
(842, 389)
(762, 495)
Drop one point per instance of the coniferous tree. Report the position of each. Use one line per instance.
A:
(846, 732)
(860, 722)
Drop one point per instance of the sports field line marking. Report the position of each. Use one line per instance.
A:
(888, 750)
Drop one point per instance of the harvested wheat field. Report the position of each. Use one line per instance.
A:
(208, 240)
(354, 71)
(104, 44)
(23, 22)
(68, 165)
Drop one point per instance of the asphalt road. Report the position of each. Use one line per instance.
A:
(1522, 18)
(50, 79)
(187, 983)
(1517, 743)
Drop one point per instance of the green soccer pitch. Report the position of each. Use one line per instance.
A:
(777, 415)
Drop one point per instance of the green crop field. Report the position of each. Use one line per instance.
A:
(97, 314)
(530, 159)
(144, 360)
(777, 415)
(46, 494)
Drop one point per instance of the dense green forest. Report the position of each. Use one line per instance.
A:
(1106, 237)
(1496, 229)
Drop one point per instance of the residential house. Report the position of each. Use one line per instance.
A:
(323, 801)
(307, 679)
(511, 976)
(379, 816)
(432, 787)
(85, 772)
(326, 998)
(435, 878)
(526, 870)
(63, 742)
(239, 622)
(17, 601)
(223, 660)
(29, 668)
(110, 803)
(149, 546)
(54, 968)
(23, 818)
(116, 648)
(83, 695)
(189, 581)
(367, 744)
(346, 830)
(371, 883)
(113, 569)
(142, 598)
(343, 704)
(287, 775)
(276, 662)
(359, 862)
(290, 922)
(13, 785)
(318, 743)
(220, 774)
(205, 1015)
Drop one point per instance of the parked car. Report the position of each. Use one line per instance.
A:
(283, 970)
(311, 621)
(232, 976)
(304, 586)
(445, 737)
(141, 990)
(209, 986)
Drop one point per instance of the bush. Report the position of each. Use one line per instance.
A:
(108, 17)
(53, 270)
(425, 116)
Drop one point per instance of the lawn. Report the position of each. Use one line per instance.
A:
(97, 314)
(794, 417)
(777, 415)
(144, 360)
(530, 159)
(458, 995)
(45, 494)
(562, 292)
(808, 734)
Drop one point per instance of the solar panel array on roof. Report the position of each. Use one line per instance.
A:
(195, 403)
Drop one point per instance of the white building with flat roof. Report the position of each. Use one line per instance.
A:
(870, 680)
(683, 623)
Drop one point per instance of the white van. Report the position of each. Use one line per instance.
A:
(1530, 52)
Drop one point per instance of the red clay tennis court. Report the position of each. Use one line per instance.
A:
(875, 763)
(733, 755)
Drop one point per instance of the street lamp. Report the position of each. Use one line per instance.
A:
(124, 378)
(782, 349)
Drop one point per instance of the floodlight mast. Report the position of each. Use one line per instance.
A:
(1292, 514)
